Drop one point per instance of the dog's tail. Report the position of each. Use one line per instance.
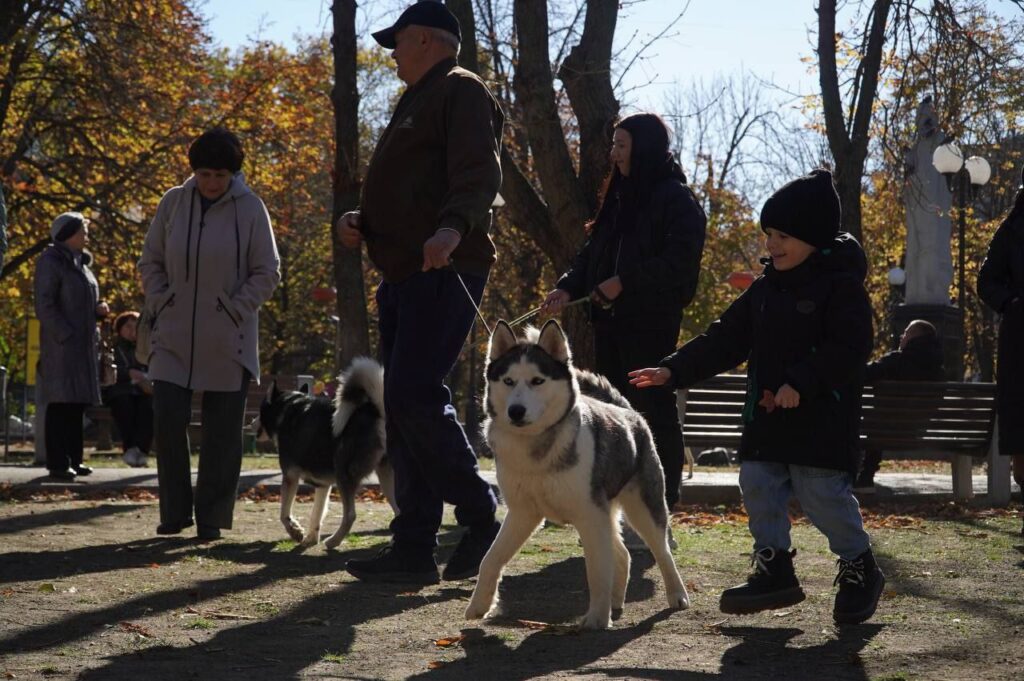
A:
(600, 388)
(361, 383)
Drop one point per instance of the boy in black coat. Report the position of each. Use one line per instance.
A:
(919, 358)
(804, 329)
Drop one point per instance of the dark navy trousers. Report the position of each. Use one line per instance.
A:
(424, 321)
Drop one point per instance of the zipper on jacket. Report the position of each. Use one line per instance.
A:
(188, 237)
(221, 307)
(195, 304)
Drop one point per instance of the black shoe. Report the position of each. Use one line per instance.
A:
(860, 586)
(207, 532)
(395, 565)
(465, 560)
(865, 483)
(771, 586)
(83, 470)
(64, 476)
(174, 528)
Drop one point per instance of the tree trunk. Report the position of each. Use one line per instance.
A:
(353, 326)
(848, 137)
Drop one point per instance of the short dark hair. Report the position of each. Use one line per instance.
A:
(920, 327)
(123, 319)
(217, 148)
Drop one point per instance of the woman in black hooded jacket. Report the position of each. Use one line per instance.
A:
(639, 266)
(1001, 286)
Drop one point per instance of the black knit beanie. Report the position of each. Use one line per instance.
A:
(806, 208)
(216, 149)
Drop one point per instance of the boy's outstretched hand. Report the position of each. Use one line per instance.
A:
(645, 378)
(787, 397)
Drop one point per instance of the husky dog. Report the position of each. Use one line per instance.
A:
(568, 447)
(327, 444)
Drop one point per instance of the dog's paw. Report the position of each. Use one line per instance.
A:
(596, 620)
(294, 530)
(478, 608)
(311, 539)
(334, 541)
(678, 600)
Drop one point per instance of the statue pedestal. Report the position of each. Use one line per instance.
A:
(949, 323)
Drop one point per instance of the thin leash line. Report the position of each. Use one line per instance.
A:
(514, 322)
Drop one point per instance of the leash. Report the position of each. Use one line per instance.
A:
(518, 320)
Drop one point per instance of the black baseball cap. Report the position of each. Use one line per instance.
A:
(430, 13)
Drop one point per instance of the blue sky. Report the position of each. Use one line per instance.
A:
(714, 37)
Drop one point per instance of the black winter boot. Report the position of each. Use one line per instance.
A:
(860, 586)
(772, 585)
(396, 565)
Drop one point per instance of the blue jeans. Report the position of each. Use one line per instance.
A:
(824, 494)
(424, 321)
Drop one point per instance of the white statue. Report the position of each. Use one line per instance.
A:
(929, 262)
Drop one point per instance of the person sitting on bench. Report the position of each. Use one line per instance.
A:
(919, 358)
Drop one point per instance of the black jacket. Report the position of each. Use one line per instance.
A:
(657, 256)
(921, 360)
(1001, 286)
(809, 327)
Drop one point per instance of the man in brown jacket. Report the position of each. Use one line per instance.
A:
(425, 215)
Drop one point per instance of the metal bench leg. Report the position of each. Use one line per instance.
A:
(998, 472)
(963, 484)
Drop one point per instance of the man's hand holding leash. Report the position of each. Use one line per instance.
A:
(437, 250)
(348, 230)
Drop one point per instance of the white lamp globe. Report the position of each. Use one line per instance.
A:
(897, 276)
(947, 158)
(979, 170)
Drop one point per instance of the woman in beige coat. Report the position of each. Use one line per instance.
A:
(209, 262)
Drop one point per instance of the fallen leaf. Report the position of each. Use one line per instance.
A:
(154, 565)
(531, 624)
(436, 664)
(7, 592)
(692, 587)
(133, 628)
(449, 641)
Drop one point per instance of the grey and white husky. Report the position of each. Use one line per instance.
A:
(329, 444)
(568, 447)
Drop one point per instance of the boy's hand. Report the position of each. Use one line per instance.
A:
(645, 378)
(787, 397)
(348, 230)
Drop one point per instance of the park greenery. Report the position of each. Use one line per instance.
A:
(99, 100)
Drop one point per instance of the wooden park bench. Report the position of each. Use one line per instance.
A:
(101, 414)
(925, 420)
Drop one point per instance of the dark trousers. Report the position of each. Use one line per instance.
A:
(134, 417)
(424, 321)
(220, 453)
(871, 463)
(64, 435)
(618, 349)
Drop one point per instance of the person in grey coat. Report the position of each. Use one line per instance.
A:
(67, 302)
(208, 263)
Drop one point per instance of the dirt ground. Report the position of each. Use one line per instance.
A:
(87, 591)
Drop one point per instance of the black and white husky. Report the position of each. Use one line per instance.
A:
(568, 447)
(329, 444)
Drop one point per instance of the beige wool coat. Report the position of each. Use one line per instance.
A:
(205, 278)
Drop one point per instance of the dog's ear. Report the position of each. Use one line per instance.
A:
(304, 388)
(503, 339)
(554, 342)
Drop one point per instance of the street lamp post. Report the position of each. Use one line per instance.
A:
(949, 161)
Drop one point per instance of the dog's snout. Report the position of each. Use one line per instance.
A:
(516, 412)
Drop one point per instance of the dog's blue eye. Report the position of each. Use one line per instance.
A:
(509, 381)
(537, 381)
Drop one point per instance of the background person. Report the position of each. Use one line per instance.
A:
(919, 358)
(209, 262)
(640, 265)
(446, 120)
(68, 305)
(1001, 286)
(129, 398)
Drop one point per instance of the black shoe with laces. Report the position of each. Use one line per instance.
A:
(465, 560)
(395, 565)
(860, 586)
(771, 586)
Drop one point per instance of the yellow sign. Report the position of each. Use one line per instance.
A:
(33, 351)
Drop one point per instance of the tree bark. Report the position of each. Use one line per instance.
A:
(848, 137)
(353, 337)
(463, 11)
